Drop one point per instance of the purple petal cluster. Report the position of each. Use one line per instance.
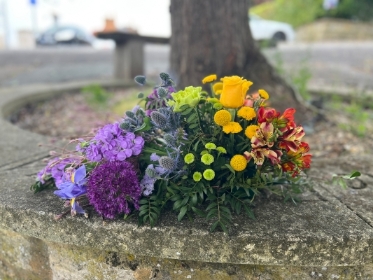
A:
(111, 186)
(56, 169)
(152, 174)
(75, 186)
(113, 144)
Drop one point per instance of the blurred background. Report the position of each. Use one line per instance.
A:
(35, 35)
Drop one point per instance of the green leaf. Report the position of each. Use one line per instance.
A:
(230, 168)
(198, 212)
(223, 227)
(177, 204)
(195, 148)
(194, 199)
(186, 112)
(193, 117)
(143, 212)
(144, 207)
(193, 125)
(145, 126)
(342, 183)
(214, 225)
(212, 213)
(355, 174)
(211, 205)
(248, 212)
(183, 210)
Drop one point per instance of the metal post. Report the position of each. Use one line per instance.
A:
(5, 24)
(34, 18)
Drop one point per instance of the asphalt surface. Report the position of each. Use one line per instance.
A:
(331, 64)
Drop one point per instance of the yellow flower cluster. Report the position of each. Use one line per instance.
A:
(232, 127)
(251, 130)
(238, 162)
(222, 117)
(247, 113)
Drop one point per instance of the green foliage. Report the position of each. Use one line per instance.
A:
(353, 9)
(294, 12)
(96, 96)
(39, 186)
(342, 179)
(357, 115)
(300, 12)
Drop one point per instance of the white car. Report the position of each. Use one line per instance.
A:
(273, 31)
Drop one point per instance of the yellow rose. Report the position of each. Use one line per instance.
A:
(234, 91)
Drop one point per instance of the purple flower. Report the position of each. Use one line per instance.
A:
(76, 208)
(75, 187)
(154, 157)
(152, 174)
(111, 186)
(113, 144)
(147, 185)
(56, 169)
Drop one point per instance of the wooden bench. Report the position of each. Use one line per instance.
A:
(129, 52)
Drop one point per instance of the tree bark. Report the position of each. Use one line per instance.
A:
(213, 37)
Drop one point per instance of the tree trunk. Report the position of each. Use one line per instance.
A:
(213, 37)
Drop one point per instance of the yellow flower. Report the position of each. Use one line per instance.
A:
(209, 79)
(251, 130)
(247, 113)
(222, 117)
(217, 87)
(238, 162)
(234, 91)
(263, 94)
(232, 127)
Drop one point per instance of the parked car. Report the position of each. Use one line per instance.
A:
(65, 35)
(269, 30)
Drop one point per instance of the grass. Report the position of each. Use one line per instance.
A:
(126, 104)
(355, 110)
(100, 99)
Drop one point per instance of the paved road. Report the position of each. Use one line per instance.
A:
(331, 64)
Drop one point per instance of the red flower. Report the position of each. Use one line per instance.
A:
(288, 115)
(290, 140)
(266, 114)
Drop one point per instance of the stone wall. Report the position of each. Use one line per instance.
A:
(334, 30)
(23, 257)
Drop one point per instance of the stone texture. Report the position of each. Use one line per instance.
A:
(24, 257)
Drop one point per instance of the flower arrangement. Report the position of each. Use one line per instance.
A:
(192, 151)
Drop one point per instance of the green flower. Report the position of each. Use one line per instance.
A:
(197, 176)
(189, 158)
(210, 146)
(209, 174)
(207, 159)
(213, 100)
(204, 152)
(221, 150)
(217, 106)
(189, 96)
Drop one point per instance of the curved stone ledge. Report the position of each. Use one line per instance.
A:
(330, 230)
